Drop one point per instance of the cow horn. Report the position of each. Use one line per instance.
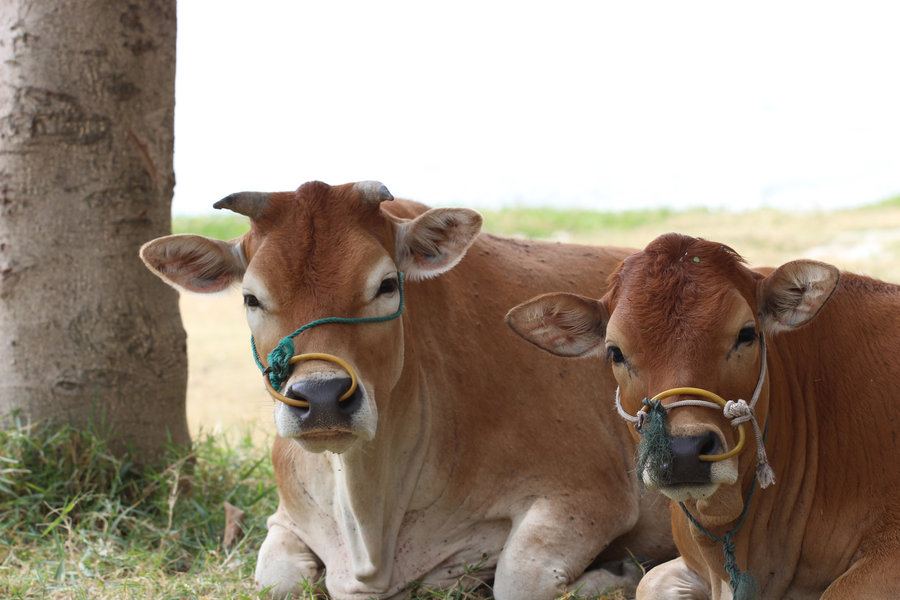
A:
(250, 204)
(372, 193)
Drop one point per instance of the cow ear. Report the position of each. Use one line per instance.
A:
(795, 293)
(435, 241)
(195, 263)
(562, 324)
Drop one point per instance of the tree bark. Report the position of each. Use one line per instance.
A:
(87, 334)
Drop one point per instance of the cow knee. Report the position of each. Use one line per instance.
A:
(285, 565)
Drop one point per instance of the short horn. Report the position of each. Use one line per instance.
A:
(373, 193)
(250, 204)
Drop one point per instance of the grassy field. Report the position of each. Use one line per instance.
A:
(75, 523)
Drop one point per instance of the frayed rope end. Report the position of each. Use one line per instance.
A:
(765, 476)
(744, 587)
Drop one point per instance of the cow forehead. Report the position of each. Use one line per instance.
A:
(680, 288)
(319, 239)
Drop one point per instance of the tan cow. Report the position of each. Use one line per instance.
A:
(445, 445)
(806, 358)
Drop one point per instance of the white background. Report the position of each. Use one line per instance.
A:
(609, 105)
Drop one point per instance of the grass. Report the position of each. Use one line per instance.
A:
(219, 225)
(75, 522)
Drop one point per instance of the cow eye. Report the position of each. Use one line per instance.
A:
(747, 335)
(614, 354)
(251, 301)
(388, 286)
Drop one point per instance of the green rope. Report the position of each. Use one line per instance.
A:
(654, 459)
(279, 368)
(743, 585)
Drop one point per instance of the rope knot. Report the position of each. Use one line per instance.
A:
(280, 362)
(738, 411)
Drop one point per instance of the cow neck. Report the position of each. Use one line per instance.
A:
(370, 519)
(743, 585)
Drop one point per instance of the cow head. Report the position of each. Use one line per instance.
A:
(684, 313)
(315, 253)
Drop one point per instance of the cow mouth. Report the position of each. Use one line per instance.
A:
(683, 493)
(321, 440)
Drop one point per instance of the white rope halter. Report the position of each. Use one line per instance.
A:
(737, 412)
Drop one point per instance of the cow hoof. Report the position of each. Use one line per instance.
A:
(623, 575)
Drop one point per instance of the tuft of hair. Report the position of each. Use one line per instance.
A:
(654, 455)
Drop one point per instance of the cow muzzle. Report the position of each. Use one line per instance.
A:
(323, 410)
(300, 399)
(684, 462)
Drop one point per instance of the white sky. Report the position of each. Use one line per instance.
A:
(609, 105)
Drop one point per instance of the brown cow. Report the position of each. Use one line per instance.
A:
(813, 354)
(455, 447)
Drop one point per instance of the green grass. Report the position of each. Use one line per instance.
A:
(543, 223)
(534, 223)
(222, 225)
(76, 522)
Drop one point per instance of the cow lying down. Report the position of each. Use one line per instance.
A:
(801, 364)
(417, 439)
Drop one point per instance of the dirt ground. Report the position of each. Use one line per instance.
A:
(225, 390)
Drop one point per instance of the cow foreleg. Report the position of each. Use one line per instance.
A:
(872, 576)
(672, 580)
(543, 559)
(285, 564)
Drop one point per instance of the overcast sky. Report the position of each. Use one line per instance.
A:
(610, 105)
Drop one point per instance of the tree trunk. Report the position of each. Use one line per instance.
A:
(87, 334)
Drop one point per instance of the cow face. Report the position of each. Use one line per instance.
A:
(322, 252)
(684, 313)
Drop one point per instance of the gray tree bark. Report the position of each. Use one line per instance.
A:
(87, 334)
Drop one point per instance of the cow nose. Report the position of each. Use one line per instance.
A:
(325, 409)
(686, 467)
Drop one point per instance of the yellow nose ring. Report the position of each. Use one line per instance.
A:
(742, 433)
(313, 356)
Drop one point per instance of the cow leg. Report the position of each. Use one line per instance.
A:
(285, 563)
(872, 576)
(545, 556)
(672, 580)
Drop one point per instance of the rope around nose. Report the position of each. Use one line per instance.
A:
(282, 357)
(737, 412)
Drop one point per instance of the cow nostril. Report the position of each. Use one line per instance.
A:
(709, 443)
(295, 392)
